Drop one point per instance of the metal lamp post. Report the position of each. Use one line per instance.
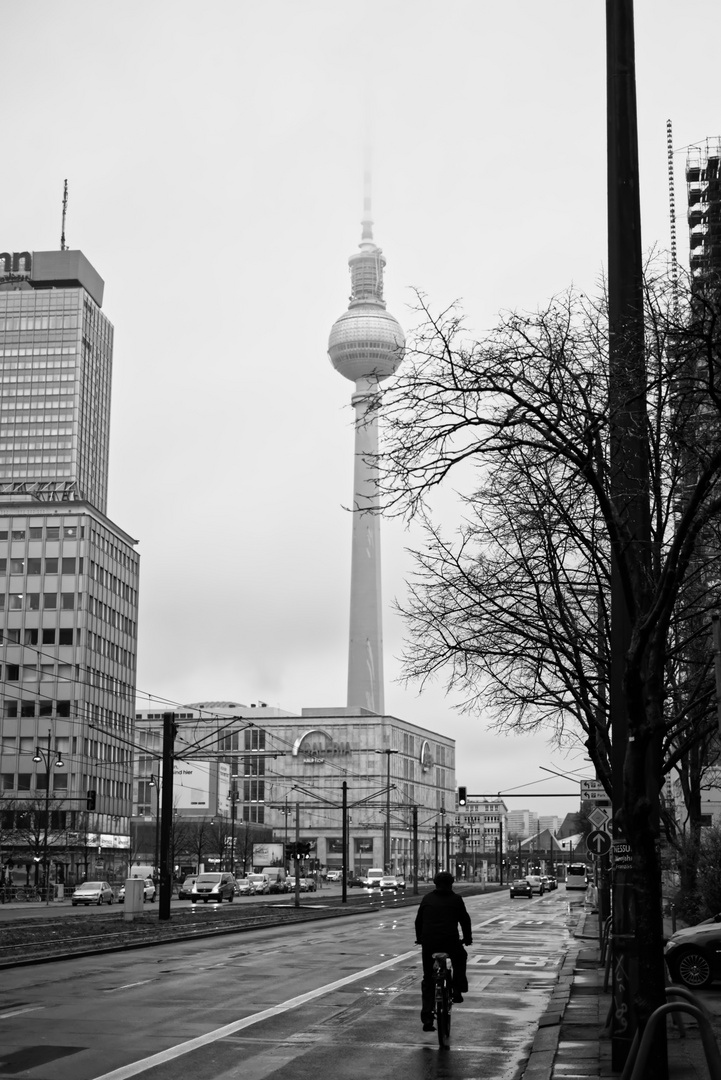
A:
(46, 756)
(387, 832)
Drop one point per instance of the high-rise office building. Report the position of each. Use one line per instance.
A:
(68, 577)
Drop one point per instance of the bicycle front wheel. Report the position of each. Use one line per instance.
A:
(443, 1014)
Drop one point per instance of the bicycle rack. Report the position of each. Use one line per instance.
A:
(635, 1068)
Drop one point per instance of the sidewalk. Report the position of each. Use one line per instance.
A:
(569, 1044)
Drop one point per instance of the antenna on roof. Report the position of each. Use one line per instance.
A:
(63, 245)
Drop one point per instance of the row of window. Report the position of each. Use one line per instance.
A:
(47, 635)
(37, 365)
(31, 566)
(51, 532)
(37, 672)
(111, 617)
(111, 582)
(12, 457)
(9, 378)
(102, 647)
(40, 473)
(108, 545)
(41, 391)
(11, 444)
(41, 429)
(60, 707)
(31, 601)
(40, 322)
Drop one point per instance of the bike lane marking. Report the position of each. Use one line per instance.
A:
(173, 1052)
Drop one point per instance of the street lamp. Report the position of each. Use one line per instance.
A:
(46, 756)
(387, 834)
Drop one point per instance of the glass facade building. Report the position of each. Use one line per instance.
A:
(68, 579)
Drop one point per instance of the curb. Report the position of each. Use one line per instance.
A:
(545, 1043)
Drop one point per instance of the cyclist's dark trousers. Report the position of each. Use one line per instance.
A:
(458, 957)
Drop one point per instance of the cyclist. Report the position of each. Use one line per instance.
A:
(439, 915)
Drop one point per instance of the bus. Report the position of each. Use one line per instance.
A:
(576, 876)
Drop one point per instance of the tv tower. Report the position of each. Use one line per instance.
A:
(366, 345)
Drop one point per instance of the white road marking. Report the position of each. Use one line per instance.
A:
(174, 1052)
(19, 1012)
(126, 986)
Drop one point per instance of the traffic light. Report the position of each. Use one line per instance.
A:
(91, 798)
(304, 849)
(461, 796)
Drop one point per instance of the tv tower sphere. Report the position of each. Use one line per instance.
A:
(366, 341)
(366, 345)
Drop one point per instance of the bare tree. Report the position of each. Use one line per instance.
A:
(515, 608)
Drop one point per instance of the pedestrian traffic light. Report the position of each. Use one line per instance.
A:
(461, 796)
(90, 801)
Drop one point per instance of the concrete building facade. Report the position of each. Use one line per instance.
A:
(286, 773)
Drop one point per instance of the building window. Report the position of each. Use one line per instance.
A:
(33, 601)
(48, 636)
(51, 566)
(68, 566)
(27, 708)
(50, 601)
(53, 532)
(65, 636)
(30, 636)
(34, 566)
(12, 674)
(11, 707)
(68, 601)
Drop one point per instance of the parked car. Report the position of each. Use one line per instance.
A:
(187, 887)
(355, 882)
(214, 886)
(307, 884)
(148, 891)
(281, 885)
(244, 887)
(693, 955)
(520, 887)
(536, 883)
(334, 875)
(549, 883)
(92, 892)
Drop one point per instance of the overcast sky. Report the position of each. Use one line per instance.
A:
(214, 154)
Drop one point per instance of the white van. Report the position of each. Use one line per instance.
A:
(372, 880)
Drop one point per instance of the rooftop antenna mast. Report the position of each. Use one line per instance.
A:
(63, 245)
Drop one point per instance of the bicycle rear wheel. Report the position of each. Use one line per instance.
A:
(443, 1013)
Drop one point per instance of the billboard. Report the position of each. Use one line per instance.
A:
(268, 855)
(191, 785)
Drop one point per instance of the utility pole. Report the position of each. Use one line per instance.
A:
(166, 816)
(297, 854)
(344, 845)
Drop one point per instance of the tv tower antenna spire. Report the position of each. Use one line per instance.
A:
(63, 245)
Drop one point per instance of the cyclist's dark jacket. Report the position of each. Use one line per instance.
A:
(439, 915)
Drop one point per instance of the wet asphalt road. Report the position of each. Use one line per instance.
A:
(336, 999)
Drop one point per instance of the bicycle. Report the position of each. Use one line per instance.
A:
(443, 996)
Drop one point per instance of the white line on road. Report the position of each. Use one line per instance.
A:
(174, 1052)
(19, 1012)
(126, 986)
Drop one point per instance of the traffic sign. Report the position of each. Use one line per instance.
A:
(599, 843)
(600, 817)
